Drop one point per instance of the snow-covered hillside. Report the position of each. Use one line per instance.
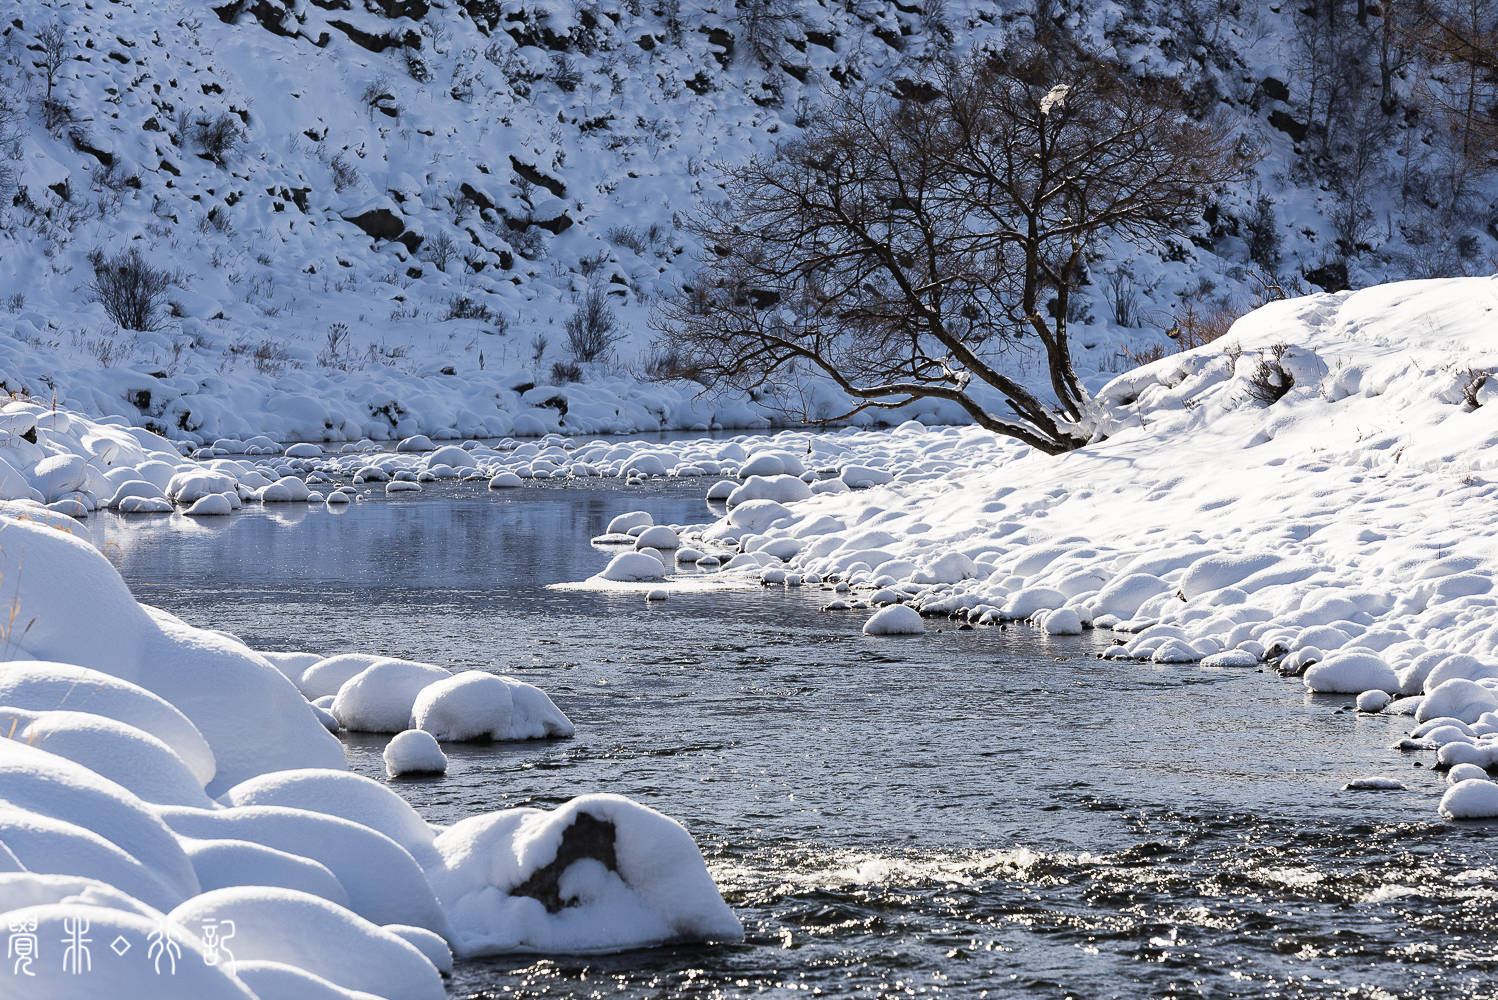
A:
(378, 216)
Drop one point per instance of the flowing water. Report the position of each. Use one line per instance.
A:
(980, 813)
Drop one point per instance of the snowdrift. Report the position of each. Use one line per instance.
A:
(162, 782)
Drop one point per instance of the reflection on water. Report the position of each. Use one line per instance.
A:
(976, 813)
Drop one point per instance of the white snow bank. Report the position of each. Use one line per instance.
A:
(634, 567)
(339, 793)
(79, 612)
(42, 686)
(1351, 672)
(309, 933)
(384, 882)
(59, 817)
(378, 699)
(1340, 531)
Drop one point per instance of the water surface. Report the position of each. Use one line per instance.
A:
(973, 814)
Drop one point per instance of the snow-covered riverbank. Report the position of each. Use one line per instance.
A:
(1342, 532)
(175, 805)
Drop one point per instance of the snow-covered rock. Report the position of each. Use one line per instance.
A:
(414, 751)
(897, 619)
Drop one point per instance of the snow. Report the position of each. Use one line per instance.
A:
(897, 619)
(110, 763)
(475, 705)
(309, 933)
(1457, 699)
(378, 699)
(1329, 534)
(1351, 672)
(657, 889)
(220, 863)
(42, 686)
(622, 523)
(657, 536)
(61, 818)
(341, 794)
(633, 567)
(1475, 798)
(414, 752)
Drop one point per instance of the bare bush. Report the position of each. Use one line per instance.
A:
(336, 352)
(1123, 297)
(592, 329)
(131, 291)
(345, 174)
(219, 136)
(463, 307)
(1200, 322)
(441, 251)
(628, 237)
(1270, 380)
(563, 372)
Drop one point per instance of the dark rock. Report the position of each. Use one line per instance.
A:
(380, 223)
(1287, 124)
(535, 176)
(378, 43)
(1275, 90)
(1330, 277)
(587, 838)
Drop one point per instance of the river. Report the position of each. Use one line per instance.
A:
(978, 813)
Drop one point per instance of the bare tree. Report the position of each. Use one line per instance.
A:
(1461, 37)
(11, 133)
(52, 51)
(898, 247)
(762, 25)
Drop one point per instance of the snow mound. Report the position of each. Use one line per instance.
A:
(598, 874)
(378, 699)
(339, 793)
(1475, 798)
(42, 686)
(896, 619)
(475, 705)
(414, 751)
(311, 934)
(634, 567)
(1351, 672)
